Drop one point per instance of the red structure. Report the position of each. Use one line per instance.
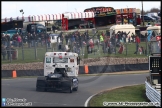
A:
(73, 20)
(64, 23)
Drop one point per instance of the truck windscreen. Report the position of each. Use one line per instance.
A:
(60, 60)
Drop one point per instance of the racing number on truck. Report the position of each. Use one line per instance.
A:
(71, 60)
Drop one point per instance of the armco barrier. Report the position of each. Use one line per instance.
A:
(136, 67)
(92, 70)
(152, 94)
(8, 73)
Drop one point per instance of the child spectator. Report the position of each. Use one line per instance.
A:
(140, 50)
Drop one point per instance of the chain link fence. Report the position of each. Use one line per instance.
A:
(91, 43)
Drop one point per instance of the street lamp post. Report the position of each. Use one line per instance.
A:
(21, 11)
(128, 14)
(142, 14)
(143, 26)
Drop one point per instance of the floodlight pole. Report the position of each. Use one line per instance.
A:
(21, 11)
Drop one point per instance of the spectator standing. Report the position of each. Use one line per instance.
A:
(42, 39)
(102, 42)
(14, 39)
(3, 52)
(32, 40)
(19, 40)
(35, 36)
(8, 52)
(137, 40)
(3, 39)
(129, 41)
(91, 45)
(121, 49)
(48, 41)
(29, 40)
(133, 37)
(140, 50)
(8, 40)
(66, 38)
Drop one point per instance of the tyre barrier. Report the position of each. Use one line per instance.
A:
(82, 70)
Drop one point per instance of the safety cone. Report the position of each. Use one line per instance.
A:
(14, 74)
(86, 69)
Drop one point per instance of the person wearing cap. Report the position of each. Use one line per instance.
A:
(8, 52)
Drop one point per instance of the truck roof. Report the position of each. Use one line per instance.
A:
(57, 53)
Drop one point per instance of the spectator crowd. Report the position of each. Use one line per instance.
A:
(74, 42)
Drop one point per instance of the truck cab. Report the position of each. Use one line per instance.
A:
(60, 72)
(67, 60)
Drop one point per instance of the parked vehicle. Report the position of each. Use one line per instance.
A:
(156, 17)
(11, 32)
(152, 14)
(147, 18)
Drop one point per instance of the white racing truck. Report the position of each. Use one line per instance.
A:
(60, 72)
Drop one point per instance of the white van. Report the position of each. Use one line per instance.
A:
(53, 38)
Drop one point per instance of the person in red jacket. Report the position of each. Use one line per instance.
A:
(137, 41)
(91, 45)
(121, 49)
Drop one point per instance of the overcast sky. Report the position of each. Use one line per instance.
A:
(11, 9)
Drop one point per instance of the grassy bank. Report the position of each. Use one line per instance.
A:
(125, 94)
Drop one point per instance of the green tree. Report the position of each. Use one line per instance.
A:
(152, 10)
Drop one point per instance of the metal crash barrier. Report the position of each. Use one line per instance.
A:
(152, 94)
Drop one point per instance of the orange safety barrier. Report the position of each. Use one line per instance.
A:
(14, 74)
(86, 69)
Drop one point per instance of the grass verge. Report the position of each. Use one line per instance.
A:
(124, 94)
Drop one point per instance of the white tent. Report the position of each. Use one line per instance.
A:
(156, 29)
(125, 28)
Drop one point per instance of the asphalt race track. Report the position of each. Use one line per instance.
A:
(88, 85)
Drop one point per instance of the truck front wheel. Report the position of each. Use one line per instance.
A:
(71, 88)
